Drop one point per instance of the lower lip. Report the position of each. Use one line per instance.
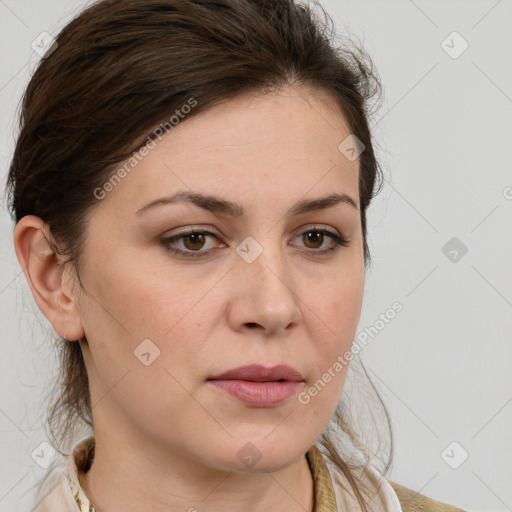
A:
(258, 394)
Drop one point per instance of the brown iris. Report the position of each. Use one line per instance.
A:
(313, 236)
(198, 240)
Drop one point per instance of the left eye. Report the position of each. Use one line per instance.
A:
(194, 241)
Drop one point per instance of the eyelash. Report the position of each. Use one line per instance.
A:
(339, 242)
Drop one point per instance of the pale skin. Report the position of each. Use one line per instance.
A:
(165, 438)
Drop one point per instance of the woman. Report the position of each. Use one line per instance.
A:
(190, 188)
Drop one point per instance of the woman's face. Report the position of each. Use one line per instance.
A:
(257, 290)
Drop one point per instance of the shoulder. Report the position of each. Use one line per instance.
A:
(382, 494)
(412, 501)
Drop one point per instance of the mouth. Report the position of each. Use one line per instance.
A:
(259, 386)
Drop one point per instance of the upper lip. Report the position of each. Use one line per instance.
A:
(259, 373)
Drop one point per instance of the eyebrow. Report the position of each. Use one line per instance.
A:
(218, 205)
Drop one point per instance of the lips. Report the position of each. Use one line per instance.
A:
(258, 386)
(259, 373)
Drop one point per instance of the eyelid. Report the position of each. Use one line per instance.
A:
(206, 229)
(319, 227)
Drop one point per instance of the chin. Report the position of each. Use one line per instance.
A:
(261, 455)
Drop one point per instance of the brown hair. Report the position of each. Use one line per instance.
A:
(119, 69)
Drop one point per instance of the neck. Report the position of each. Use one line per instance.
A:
(122, 479)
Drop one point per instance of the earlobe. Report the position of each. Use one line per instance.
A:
(45, 277)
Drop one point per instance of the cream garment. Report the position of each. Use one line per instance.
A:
(334, 494)
(64, 494)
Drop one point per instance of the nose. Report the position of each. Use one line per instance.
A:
(263, 295)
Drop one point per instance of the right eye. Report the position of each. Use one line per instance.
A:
(192, 240)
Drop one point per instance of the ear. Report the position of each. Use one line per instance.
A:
(50, 283)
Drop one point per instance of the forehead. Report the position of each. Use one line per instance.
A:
(284, 144)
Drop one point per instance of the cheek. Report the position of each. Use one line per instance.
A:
(127, 308)
(144, 336)
(138, 301)
(336, 309)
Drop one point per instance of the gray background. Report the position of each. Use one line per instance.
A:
(444, 133)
